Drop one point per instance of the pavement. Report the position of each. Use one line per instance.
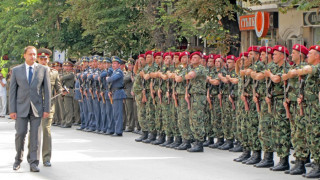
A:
(88, 156)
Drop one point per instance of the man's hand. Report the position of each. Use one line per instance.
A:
(45, 115)
(13, 116)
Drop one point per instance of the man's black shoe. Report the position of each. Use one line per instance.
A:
(116, 135)
(34, 168)
(47, 164)
(16, 166)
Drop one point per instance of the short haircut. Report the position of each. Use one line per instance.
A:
(27, 48)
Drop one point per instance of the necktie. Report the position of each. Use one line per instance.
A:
(30, 74)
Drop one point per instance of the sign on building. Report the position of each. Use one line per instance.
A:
(59, 56)
(247, 22)
(311, 19)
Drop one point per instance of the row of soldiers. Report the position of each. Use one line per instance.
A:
(252, 103)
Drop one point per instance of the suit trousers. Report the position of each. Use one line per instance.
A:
(21, 127)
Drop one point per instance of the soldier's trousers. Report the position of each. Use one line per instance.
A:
(313, 129)
(150, 109)
(135, 115)
(280, 132)
(124, 115)
(196, 118)
(141, 111)
(253, 126)
(109, 115)
(97, 113)
(158, 117)
(166, 115)
(47, 141)
(129, 113)
(228, 117)
(298, 126)
(173, 121)
(265, 120)
(60, 111)
(90, 113)
(102, 116)
(68, 106)
(116, 124)
(236, 125)
(217, 127)
(76, 112)
(183, 118)
(85, 113)
(208, 120)
(244, 130)
(82, 114)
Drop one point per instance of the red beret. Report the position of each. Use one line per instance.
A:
(168, 54)
(315, 47)
(300, 48)
(232, 57)
(281, 49)
(142, 55)
(264, 49)
(186, 53)
(196, 53)
(218, 56)
(205, 57)
(245, 54)
(211, 56)
(254, 48)
(149, 52)
(237, 58)
(157, 54)
(177, 54)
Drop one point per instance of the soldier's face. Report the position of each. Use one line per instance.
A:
(142, 61)
(231, 64)
(95, 63)
(218, 63)
(158, 59)
(196, 59)
(43, 61)
(313, 56)
(176, 59)
(210, 62)
(130, 67)
(263, 56)
(184, 59)
(295, 56)
(149, 58)
(115, 65)
(204, 62)
(278, 57)
(30, 56)
(167, 60)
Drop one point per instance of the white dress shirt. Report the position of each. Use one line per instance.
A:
(27, 68)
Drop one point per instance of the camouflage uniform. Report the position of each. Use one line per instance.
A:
(280, 131)
(209, 112)
(183, 112)
(141, 110)
(198, 102)
(173, 121)
(150, 108)
(297, 123)
(265, 118)
(165, 107)
(216, 112)
(312, 112)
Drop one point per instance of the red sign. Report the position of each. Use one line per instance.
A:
(262, 23)
(247, 22)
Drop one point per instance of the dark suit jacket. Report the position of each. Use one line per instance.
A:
(37, 95)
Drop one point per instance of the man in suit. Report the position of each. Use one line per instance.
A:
(29, 101)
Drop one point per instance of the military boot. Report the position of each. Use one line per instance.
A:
(208, 142)
(237, 148)
(176, 143)
(168, 141)
(228, 145)
(282, 165)
(314, 173)
(217, 144)
(197, 147)
(256, 158)
(184, 146)
(143, 136)
(151, 137)
(161, 139)
(245, 155)
(298, 168)
(267, 161)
